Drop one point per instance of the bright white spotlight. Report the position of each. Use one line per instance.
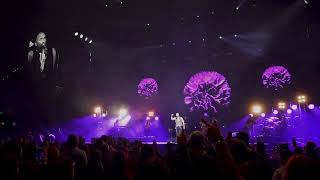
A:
(302, 99)
(90, 41)
(250, 115)
(289, 111)
(311, 106)
(76, 34)
(94, 115)
(256, 109)
(306, 1)
(104, 114)
(150, 113)
(147, 118)
(294, 107)
(97, 110)
(235, 35)
(275, 111)
(81, 36)
(263, 115)
(86, 39)
(281, 105)
(220, 37)
(156, 118)
(123, 112)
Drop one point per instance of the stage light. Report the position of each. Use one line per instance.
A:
(90, 41)
(289, 111)
(104, 114)
(97, 110)
(156, 118)
(148, 118)
(311, 106)
(81, 36)
(306, 1)
(76, 34)
(281, 105)
(237, 8)
(150, 113)
(123, 112)
(235, 35)
(263, 115)
(125, 120)
(14, 124)
(275, 112)
(250, 115)
(220, 37)
(294, 107)
(302, 99)
(256, 109)
(86, 39)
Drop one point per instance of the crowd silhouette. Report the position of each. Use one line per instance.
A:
(201, 155)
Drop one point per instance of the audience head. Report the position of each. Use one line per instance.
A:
(53, 153)
(197, 140)
(72, 140)
(310, 149)
(301, 167)
(285, 155)
(238, 150)
(261, 148)
(243, 137)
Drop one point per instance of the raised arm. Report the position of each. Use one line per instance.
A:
(223, 155)
(54, 57)
(30, 56)
(173, 118)
(183, 124)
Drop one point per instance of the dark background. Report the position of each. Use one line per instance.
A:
(125, 49)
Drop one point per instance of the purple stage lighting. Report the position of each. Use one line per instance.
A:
(206, 90)
(289, 111)
(311, 106)
(276, 77)
(147, 87)
(263, 115)
(275, 111)
(156, 118)
(294, 107)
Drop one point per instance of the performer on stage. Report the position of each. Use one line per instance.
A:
(116, 124)
(43, 65)
(147, 127)
(180, 124)
(117, 128)
(43, 60)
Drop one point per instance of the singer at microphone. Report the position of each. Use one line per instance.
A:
(42, 60)
(43, 71)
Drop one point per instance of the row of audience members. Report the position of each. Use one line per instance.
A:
(198, 155)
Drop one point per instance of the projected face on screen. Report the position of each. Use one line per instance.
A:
(41, 39)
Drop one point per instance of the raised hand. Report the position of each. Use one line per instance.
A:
(213, 132)
(182, 138)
